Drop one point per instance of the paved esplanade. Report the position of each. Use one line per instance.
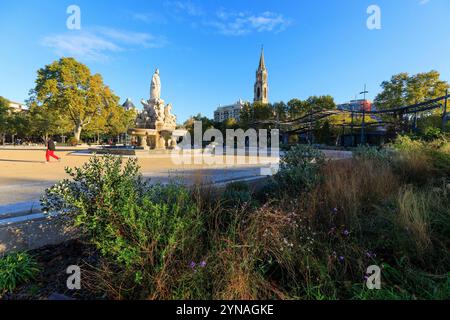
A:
(24, 176)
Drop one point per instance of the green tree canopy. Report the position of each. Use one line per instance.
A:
(68, 88)
(4, 105)
(262, 111)
(119, 120)
(45, 122)
(113, 121)
(246, 115)
(19, 124)
(296, 108)
(319, 103)
(404, 89)
(206, 124)
(4, 113)
(281, 110)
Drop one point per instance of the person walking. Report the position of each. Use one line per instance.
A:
(51, 151)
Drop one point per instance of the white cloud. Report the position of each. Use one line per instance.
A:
(223, 21)
(97, 44)
(186, 7)
(242, 23)
(149, 17)
(81, 45)
(423, 2)
(134, 38)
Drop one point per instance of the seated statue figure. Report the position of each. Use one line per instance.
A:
(169, 118)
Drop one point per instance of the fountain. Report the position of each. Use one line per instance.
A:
(156, 125)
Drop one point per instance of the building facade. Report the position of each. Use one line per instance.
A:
(261, 90)
(232, 111)
(16, 106)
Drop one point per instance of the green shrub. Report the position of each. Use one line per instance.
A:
(380, 155)
(299, 169)
(15, 269)
(72, 142)
(420, 161)
(237, 194)
(139, 228)
(432, 133)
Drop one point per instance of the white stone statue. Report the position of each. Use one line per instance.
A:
(169, 118)
(155, 112)
(155, 88)
(159, 111)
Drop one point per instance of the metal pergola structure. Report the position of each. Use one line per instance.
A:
(305, 123)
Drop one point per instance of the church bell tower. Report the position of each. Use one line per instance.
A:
(261, 84)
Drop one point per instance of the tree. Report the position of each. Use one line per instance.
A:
(319, 103)
(11, 122)
(246, 116)
(113, 121)
(281, 111)
(120, 120)
(262, 111)
(230, 123)
(323, 131)
(425, 86)
(67, 87)
(394, 92)
(4, 113)
(18, 124)
(404, 89)
(44, 122)
(296, 108)
(206, 124)
(97, 126)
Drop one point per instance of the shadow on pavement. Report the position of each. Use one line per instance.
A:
(27, 161)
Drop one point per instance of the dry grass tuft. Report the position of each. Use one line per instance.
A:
(352, 187)
(413, 212)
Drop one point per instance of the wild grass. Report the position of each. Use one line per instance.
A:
(413, 215)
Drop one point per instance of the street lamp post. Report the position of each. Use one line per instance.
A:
(364, 116)
(352, 126)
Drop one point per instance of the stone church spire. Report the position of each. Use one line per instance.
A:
(261, 84)
(262, 65)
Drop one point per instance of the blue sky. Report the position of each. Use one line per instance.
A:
(208, 51)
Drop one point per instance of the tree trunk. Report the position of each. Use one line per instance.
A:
(77, 131)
